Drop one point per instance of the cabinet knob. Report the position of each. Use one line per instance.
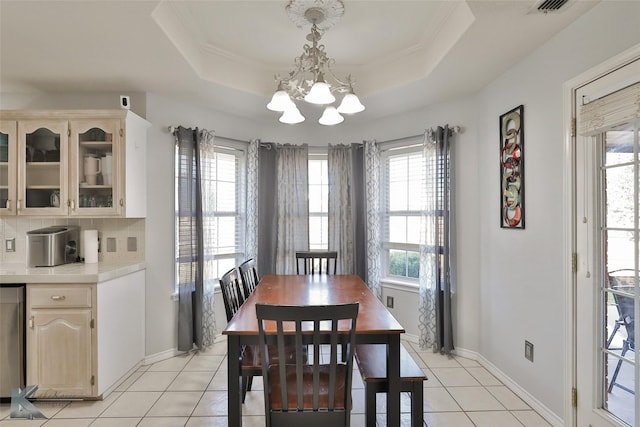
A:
(8, 205)
(58, 297)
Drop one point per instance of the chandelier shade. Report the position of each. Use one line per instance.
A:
(280, 101)
(291, 116)
(350, 104)
(320, 93)
(331, 117)
(313, 79)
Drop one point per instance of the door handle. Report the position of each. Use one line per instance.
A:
(58, 297)
(31, 322)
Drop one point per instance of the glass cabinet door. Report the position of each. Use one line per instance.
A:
(43, 167)
(93, 166)
(8, 161)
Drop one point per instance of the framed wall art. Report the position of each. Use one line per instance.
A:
(512, 169)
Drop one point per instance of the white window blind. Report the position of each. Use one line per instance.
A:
(223, 216)
(318, 202)
(223, 192)
(609, 111)
(403, 181)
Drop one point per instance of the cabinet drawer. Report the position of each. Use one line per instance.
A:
(59, 296)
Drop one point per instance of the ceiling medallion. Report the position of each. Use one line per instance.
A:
(308, 80)
(324, 13)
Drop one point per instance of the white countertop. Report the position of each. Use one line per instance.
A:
(68, 273)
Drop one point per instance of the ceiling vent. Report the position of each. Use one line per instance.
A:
(547, 6)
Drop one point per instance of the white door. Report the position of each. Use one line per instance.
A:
(607, 245)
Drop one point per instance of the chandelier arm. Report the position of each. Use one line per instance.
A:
(308, 79)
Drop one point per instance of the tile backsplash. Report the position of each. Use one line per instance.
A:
(120, 239)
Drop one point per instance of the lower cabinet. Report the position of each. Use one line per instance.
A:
(83, 339)
(61, 340)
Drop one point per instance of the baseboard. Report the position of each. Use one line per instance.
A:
(122, 379)
(523, 394)
(534, 403)
(159, 357)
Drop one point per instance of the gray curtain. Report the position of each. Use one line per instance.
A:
(358, 186)
(437, 257)
(251, 224)
(283, 211)
(340, 215)
(190, 241)
(293, 206)
(372, 213)
(267, 200)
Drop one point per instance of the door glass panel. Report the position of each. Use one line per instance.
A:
(4, 169)
(620, 294)
(95, 168)
(619, 145)
(42, 169)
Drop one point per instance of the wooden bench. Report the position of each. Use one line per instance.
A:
(372, 362)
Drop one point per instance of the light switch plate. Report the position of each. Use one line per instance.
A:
(132, 244)
(10, 245)
(528, 351)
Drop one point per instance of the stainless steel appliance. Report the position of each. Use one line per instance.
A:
(47, 247)
(12, 335)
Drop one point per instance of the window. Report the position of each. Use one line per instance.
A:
(223, 221)
(318, 202)
(402, 178)
(223, 187)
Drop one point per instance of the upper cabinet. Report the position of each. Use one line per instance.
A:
(77, 163)
(8, 162)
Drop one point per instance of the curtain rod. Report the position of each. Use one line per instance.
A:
(172, 129)
(429, 132)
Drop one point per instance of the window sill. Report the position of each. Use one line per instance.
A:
(399, 284)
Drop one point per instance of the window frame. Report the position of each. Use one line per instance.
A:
(239, 150)
(388, 151)
(319, 155)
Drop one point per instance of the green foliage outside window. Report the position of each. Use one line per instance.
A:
(404, 263)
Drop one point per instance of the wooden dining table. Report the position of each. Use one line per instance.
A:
(374, 325)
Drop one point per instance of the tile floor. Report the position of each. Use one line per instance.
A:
(190, 391)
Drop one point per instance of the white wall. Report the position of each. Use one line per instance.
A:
(510, 282)
(521, 277)
(163, 112)
(462, 113)
(72, 101)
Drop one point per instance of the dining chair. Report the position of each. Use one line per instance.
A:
(622, 280)
(250, 359)
(318, 392)
(317, 262)
(249, 276)
(249, 356)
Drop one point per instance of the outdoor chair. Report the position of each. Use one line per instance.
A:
(623, 284)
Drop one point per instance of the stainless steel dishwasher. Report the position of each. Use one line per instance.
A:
(12, 336)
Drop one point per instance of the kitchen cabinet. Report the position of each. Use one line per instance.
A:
(8, 162)
(82, 339)
(84, 163)
(61, 340)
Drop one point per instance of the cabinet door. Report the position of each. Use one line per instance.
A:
(8, 160)
(59, 352)
(94, 167)
(42, 163)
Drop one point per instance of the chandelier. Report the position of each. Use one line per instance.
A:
(313, 79)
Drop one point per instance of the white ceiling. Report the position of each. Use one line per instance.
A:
(224, 54)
